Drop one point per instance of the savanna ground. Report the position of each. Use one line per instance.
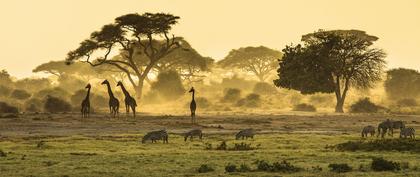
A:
(101, 146)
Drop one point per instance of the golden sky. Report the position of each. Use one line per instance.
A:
(37, 31)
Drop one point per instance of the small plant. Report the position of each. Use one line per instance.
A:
(222, 146)
(316, 168)
(304, 107)
(339, 167)
(2, 153)
(205, 168)
(244, 168)
(40, 144)
(380, 164)
(208, 146)
(242, 147)
(230, 168)
(263, 165)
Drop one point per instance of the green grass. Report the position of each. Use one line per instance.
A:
(124, 155)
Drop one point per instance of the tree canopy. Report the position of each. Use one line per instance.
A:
(402, 83)
(257, 60)
(331, 62)
(130, 34)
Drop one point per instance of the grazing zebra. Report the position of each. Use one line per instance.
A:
(192, 133)
(246, 133)
(409, 131)
(156, 135)
(390, 125)
(368, 130)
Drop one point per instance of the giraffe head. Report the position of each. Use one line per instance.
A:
(192, 89)
(119, 83)
(88, 86)
(105, 82)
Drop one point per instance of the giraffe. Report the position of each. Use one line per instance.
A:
(114, 104)
(130, 102)
(193, 106)
(86, 103)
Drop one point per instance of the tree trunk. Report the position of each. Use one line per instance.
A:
(339, 105)
(139, 90)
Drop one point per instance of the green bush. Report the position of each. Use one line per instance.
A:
(252, 100)
(380, 164)
(407, 102)
(244, 168)
(364, 106)
(54, 105)
(205, 168)
(20, 94)
(222, 146)
(304, 107)
(2, 153)
(340, 167)
(6, 108)
(230, 168)
(381, 145)
(264, 88)
(231, 95)
(33, 105)
(282, 166)
(242, 147)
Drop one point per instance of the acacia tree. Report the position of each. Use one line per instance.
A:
(331, 62)
(130, 34)
(257, 60)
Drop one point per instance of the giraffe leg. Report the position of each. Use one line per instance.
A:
(133, 108)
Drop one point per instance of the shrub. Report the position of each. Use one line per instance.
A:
(340, 167)
(408, 102)
(380, 164)
(242, 147)
(205, 168)
(381, 145)
(6, 108)
(5, 91)
(364, 106)
(202, 102)
(222, 146)
(2, 153)
(322, 100)
(251, 100)
(20, 94)
(54, 105)
(231, 95)
(168, 85)
(304, 107)
(55, 92)
(77, 98)
(33, 105)
(230, 168)
(282, 166)
(244, 168)
(264, 88)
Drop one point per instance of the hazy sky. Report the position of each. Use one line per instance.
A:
(37, 31)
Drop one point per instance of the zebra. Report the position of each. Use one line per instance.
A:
(409, 131)
(368, 130)
(246, 133)
(390, 125)
(156, 135)
(192, 133)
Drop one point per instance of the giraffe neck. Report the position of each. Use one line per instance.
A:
(124, 91)
(193, 93)
(88, 93)
(111, 95)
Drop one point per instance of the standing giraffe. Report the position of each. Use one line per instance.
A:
(193, 106)
(86, 103)
(130, 102)
(114, 104)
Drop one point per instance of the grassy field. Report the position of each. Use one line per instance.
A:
(64, 145)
